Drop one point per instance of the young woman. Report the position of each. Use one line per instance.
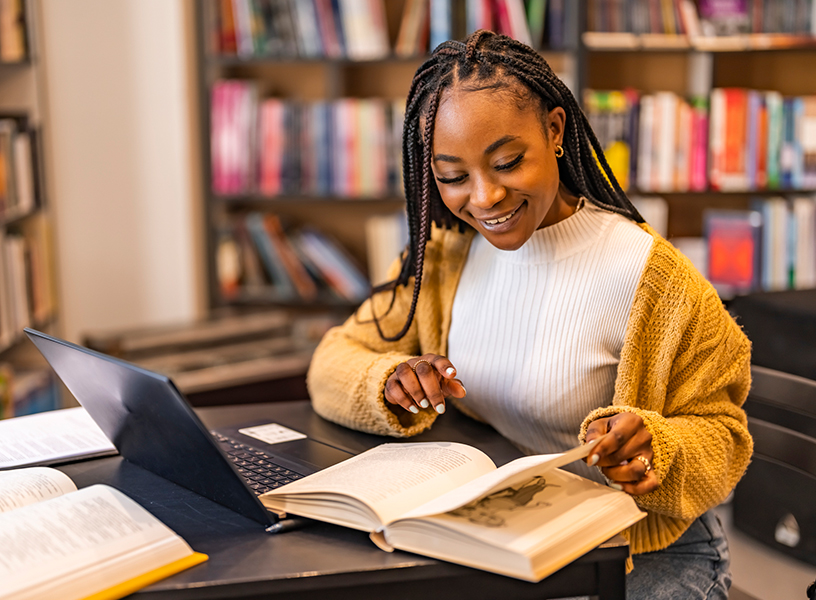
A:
(531, 279)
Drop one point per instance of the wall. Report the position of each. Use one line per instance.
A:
(120, 163)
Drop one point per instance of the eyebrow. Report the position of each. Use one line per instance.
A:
(497, 144)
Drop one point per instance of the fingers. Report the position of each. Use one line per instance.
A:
(647, 484)
(631, 471)
(623, 452)
(428, 389)
(423, 382)
(623, 436)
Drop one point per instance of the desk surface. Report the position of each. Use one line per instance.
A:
(324, 560)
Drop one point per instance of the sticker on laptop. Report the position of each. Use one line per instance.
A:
(272, 433)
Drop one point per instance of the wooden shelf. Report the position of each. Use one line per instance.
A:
(299, 199)
(629, 42)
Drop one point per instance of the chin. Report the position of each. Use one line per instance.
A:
(507, 243)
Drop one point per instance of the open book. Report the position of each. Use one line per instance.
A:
(60, 542)
(526, 519)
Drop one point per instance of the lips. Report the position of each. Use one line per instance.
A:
(500, 223)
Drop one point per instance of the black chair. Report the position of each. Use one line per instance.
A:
(775, 502)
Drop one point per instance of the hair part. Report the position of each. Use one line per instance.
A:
(485, 61)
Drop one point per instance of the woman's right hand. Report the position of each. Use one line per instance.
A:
(423, 382)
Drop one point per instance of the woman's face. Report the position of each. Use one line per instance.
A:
(495, 165)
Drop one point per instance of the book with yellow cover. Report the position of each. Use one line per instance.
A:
(526, 519)
(94, 543)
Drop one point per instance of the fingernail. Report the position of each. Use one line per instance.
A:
(413, 409)
(593, 460)
(464, 390)
(424, 403)
(440, 408)
(616, 486)
(450, 370)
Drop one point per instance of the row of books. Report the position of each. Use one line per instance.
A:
(538, 23)
(770, 247)
(13, 42)
(26, 288)
(358, 29)
(655, 142)
(260, 260)
(704, 18)
(27, 391)
(668, 17)
(736, 140)
(18, 183)
(344, 148)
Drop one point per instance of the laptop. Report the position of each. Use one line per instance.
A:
(152, 425)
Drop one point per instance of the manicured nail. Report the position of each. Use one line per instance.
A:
(593, 460)
(450, 370)
(440, 408)
(463, 389)
(413, 409)
(424, 403)
(616, 486)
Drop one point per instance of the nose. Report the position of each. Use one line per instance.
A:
(486, 193)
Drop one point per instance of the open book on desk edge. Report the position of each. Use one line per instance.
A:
(94, 543)
(446, 500)
(50, 438)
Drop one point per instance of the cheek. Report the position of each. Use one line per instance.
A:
(453, 198)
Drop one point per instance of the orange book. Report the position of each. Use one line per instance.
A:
(303, 282)
(734, 173)
(762, 146)
(227, 42)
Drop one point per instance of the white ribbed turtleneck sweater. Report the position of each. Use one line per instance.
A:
(536, 333)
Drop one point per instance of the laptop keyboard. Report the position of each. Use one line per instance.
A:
(257, 467)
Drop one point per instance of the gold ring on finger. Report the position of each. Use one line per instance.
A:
(646, 463)
(421, 360)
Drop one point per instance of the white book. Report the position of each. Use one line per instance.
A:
(60, 542)
(804, 216)
(446, 500)
(51, 437)
(645, 137)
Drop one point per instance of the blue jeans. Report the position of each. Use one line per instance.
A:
(695, 567)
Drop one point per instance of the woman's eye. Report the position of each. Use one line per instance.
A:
(450, 180)
(509, 165)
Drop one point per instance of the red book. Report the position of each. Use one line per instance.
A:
(227, 40)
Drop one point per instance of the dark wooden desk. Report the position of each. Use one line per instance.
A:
(325, 561)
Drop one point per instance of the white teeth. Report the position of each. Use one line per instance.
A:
(500, 219)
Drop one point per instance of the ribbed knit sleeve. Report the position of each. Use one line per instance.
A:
(685, 370)
(349, 369)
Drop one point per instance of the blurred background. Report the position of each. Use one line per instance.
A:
(205, 186)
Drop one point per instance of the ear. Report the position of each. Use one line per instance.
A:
(556, 120)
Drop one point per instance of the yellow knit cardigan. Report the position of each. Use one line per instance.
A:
(684, 369)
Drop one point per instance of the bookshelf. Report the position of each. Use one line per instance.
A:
(701, 56)
(27, 294)
(366, 85)
(682, 57)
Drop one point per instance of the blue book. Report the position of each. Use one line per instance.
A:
(269, 256)
(441, 22)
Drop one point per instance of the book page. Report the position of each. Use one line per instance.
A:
(21, 487)
(517, 471)
(77, 533)
(394, 478)
(528, 531)
(50, 436)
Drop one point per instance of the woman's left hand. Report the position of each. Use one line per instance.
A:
(624, 452)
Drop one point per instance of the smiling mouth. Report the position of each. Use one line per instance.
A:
(500, 219)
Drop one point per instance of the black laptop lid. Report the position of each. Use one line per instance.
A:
(149, 422)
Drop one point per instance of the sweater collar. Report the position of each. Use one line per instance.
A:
(565, 238)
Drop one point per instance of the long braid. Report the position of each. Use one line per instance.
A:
(486, 60)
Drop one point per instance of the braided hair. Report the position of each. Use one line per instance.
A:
(486, 60)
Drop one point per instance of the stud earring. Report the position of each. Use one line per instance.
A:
(559, 151)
